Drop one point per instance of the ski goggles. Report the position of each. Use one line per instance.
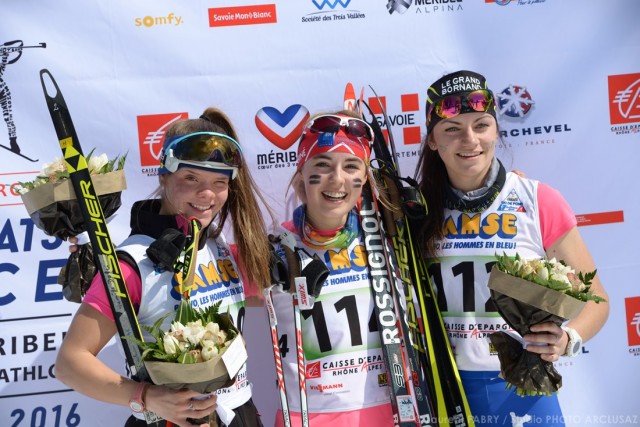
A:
(204, 150)
(450, 106)
(332, 123)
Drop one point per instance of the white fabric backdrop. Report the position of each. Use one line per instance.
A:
(571, 68)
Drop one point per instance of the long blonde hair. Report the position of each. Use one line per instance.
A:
(242, 205)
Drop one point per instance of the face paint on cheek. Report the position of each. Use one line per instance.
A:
(357, 183)
(314, 180)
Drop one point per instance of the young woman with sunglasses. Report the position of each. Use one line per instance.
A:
(202, 175)
(345, 369)
(463, 181)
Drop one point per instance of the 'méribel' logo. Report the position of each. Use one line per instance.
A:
(282, 129)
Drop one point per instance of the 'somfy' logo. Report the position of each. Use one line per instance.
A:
(332, 4)
(282, 129)
(624, 98)
(151, 131)
(150, 21)
(515, 101)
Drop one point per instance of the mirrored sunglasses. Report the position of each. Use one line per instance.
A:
(452, 105)
(331, 123)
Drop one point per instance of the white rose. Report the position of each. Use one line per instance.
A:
(221, 337)
(209, 350)
(211, 331)
(542, 273)
(50, 169)
(97, 162)
(170, 344)
(193, 332)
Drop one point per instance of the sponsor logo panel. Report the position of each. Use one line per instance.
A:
(516, 106)
(332, 10)
(515, 2)
(151, 131)
(598, 218)
(423, 7)
(624, 103)
(632, 306)
(242, 15)
(407, 119)
(149, 21)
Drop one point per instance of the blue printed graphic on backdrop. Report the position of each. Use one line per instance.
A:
(19, 237)
(10, 52)
(281, 130)
(517, 107)
(332, 10)
(515, 101)
(331, 4)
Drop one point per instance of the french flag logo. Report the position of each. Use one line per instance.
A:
(282, 129)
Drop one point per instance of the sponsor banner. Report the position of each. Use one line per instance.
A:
(242, 15)
(565, 118)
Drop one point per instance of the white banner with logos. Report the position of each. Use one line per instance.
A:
(567, 74)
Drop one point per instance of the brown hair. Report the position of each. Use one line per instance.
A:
(242, 205)
(432, 177)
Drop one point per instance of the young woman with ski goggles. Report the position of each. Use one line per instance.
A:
(202, 176)
(209, 150)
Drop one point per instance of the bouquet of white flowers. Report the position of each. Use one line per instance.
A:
(51, 201)
(202, 350)
(528, 292)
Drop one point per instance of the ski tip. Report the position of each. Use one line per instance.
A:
(49, 86)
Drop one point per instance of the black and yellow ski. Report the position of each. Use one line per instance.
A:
(428, 334)
(96, 225)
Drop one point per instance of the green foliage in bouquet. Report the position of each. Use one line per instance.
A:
(196, 335)
(552, 274)
(56, 171)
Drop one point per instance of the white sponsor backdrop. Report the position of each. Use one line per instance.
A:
(571, 68)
